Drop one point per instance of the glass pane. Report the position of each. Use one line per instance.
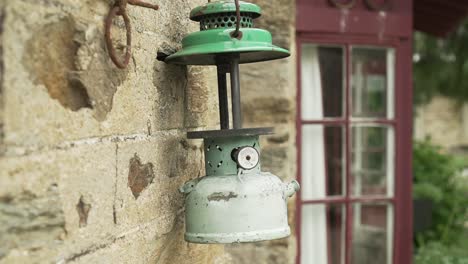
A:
(372, 234)
(322, 74)
(372, 160)
(323, 162)
(372, 82)
(323, 234)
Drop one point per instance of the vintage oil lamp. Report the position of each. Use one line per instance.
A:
(235, 201)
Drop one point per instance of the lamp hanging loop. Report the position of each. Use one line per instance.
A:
(237, 33)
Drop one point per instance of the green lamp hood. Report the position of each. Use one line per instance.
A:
(214, 43)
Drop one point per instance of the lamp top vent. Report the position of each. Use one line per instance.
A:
(214, 44)
(225, 8)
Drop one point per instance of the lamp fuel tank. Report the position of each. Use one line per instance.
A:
(235, 201)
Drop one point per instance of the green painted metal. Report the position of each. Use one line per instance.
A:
(208, 47)
(225, 20)
(214, 43)
(229, 209)
(231, 204)
(227, 206)
(224, 6)
(218, 159)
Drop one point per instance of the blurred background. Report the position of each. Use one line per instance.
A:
(440, 158)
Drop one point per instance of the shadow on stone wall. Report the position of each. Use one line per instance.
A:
(70, 60)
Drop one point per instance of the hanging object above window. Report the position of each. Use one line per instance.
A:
(235, 201)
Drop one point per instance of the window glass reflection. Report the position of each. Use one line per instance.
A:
(372, 82)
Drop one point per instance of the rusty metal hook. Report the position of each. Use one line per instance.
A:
(237, 33)
(116, 10)
(143, 4)
(120, 9)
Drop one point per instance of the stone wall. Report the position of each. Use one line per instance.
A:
(91, 156)
(445, 122)
(269, 100)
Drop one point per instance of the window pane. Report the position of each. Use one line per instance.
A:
(323, 234)
(372, 160)
(322, 162)
(322, 81)
(372, 234)
(372, 82)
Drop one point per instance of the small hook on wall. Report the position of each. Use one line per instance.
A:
(120, 9)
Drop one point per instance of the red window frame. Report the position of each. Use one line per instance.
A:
(401, 123)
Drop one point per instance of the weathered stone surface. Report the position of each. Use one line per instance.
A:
(274, 79)
(146, 97)
(82, 139)
(139, 175)
(31, 213)
(75, 68)
(87, 171)
(443, 121)
(41, 193)
(2, 16)
(50, 66)
(29, 221)
(83, 208)
(177, 161)
(274, 158)
(202, 97)
(74, 205)
(268, 111)
(94, 71)
(144, 247)
(171, 82)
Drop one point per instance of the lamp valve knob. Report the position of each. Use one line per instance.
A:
(246, 157)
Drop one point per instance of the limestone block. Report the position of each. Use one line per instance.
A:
(2, 17)
(56, 201)
(440, 120)
(270, 78)
(268, 110)
(31, 212)
(173, 160)
(202, 98)
(87, 188)
(143, 246)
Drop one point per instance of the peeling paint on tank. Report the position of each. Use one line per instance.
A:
(221, 196)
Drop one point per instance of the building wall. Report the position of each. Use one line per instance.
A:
(92, 156)
(445, 123)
